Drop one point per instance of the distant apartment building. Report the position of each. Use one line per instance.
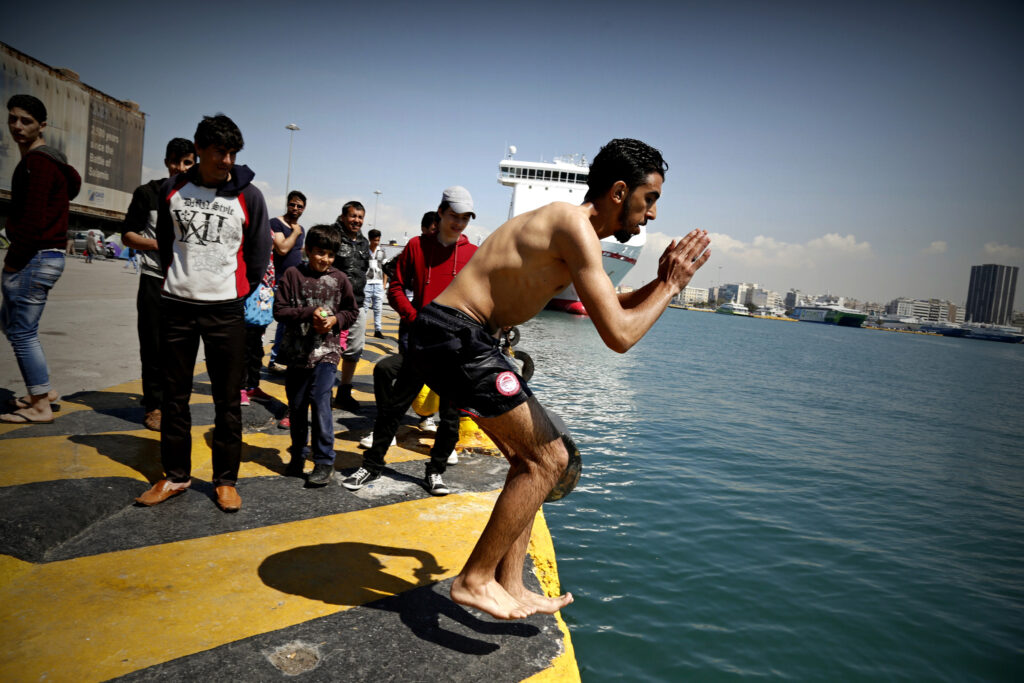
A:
(737, 291)
(764, 299)
(990, 294)
(873, 309)
(931, 310)
(792, 299)
(692, 295)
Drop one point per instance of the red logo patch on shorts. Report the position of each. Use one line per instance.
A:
(507, 383)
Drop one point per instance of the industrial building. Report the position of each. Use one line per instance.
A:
(100, 135)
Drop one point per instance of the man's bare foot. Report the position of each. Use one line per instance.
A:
(31, 415)
(542, 603)
(491, 598)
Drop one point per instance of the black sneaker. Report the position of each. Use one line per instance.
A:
(321, 474)
(378, 334)
(359, 479)
(435, 485)
(346, 402)
(295, 468)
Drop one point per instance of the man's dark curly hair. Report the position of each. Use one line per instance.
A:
(625, 159)
(219, 130)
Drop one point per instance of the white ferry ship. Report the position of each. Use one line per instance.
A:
(536, 183)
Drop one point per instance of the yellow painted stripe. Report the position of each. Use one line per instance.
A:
(136, 454)
(93, 618)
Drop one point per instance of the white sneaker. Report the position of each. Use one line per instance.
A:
(453, 459)
(428, 424)
(367, 441)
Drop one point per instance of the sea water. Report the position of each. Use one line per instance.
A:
(777, 500)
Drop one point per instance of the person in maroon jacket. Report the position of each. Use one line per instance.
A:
(426, 266)
(42, 187)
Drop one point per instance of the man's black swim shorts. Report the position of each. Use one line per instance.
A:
(459, 360)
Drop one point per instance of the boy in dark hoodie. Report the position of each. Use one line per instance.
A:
(42, 188)
(314, 304)
(214, 241)
(426, 266)
(139, 232)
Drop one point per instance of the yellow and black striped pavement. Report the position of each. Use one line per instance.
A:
(320, 583)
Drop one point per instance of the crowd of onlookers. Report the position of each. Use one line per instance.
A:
(215, 267)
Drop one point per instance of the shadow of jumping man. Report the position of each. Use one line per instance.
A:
(354, 574)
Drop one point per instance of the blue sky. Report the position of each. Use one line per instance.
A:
(872, 149)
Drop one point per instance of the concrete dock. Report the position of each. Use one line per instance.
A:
(320, 583)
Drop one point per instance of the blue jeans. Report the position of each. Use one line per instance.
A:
(310, 388)
(25, 295)
(373, 297)
(277, 339)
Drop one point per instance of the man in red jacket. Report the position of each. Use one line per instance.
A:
(426, 266)
(42, 188)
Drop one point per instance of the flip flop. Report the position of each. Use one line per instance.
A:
(18, 418)
(17, 403)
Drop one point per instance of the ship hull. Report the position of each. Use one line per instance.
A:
(829, 316)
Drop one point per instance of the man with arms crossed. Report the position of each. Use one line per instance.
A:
(289, 238)
(511, 277)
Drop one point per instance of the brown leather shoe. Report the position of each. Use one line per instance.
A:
(152, 420)
(228, 499)
(161, 491)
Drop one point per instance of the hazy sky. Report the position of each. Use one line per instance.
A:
(873, 150)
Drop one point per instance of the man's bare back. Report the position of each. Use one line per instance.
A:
(519, 267)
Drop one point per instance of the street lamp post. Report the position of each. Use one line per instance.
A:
(375, 202)
(291, 127)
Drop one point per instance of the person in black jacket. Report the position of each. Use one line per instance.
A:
(139, 232)
(353, 259)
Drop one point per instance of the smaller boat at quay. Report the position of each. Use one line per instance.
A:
(999, 333)
(829, 314)
(945, 328)
(732, 308)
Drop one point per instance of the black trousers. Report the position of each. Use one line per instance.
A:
(147, 303)
(395, 387)
(222, 330)
(253, 356)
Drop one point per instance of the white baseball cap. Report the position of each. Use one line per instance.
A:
(459, 199)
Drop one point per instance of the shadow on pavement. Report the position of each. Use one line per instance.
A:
(136, 452)
(351, 574)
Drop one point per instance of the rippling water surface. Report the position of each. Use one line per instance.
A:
(776, 500)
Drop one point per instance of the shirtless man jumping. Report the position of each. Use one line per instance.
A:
(511, 277)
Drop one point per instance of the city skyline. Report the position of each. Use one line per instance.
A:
(872, 150)
(961, 303)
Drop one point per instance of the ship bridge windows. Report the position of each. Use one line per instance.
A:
(554, 176)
